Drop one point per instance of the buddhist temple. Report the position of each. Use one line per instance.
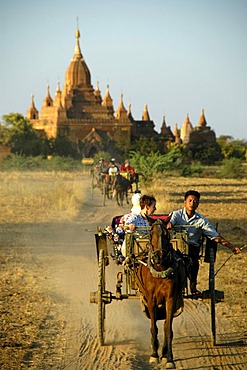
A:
(79, 112)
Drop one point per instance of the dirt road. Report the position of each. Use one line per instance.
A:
(47, 274)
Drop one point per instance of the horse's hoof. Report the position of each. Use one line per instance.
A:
(170, 365)
(153, 360)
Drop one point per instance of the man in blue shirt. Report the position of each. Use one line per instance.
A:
(199, 226)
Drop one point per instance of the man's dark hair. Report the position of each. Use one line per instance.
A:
(146, 200)
(192, 192)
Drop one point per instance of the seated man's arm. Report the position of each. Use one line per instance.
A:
(172, 221)
(224, 242)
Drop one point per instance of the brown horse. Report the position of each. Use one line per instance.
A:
(160, 278)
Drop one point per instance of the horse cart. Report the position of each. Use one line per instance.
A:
(117, 186)
(146, 264)
(103, 182)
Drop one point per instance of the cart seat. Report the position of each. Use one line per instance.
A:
(161, 217)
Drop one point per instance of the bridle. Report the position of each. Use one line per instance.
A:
(160, 253)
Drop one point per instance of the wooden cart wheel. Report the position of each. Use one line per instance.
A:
(92, 184)
(101, 303)
(104, 191)
(212, 295)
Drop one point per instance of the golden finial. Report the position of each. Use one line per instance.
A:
(58, 85)
(77, 32)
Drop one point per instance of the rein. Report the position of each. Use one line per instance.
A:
(228, 260)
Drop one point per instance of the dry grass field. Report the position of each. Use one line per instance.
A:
(222, 201)
(35, 199)
(40, 197)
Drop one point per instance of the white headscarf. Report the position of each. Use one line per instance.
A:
(136, 209)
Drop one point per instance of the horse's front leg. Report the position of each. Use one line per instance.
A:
(168, 336)
(154, 358)
(118, 198)
(121, 198)
(127, 199)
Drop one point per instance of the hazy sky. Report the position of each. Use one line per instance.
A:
(176, 56)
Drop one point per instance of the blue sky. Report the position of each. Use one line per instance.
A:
(176, 56)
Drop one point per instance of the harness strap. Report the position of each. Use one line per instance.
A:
(139, 281)
(166, 274)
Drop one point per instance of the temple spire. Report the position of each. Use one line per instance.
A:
(107, 101)
(186, 129)
(48, 102)
(97, 93)
(121, 112)
(145, 114)
(77, 51)
(202, 120)
(32, 112)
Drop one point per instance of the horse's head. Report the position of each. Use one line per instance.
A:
(160, 241)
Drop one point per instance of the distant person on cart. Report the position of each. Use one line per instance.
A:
(113, 169)
(199, 226)
(99, 169)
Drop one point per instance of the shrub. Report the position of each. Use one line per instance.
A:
(231, 168)
(20, 163)
(102, 154)
(149, 165)
(192, 170)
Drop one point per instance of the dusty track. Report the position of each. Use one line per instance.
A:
(47, 273)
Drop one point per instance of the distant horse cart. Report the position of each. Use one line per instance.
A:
(117, 186)
(97, 179)
(155, 271)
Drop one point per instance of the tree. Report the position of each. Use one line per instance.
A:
(17, 132)
(147, 165)
(178, 154)
(144, 145)
(231, 148)
(63, 147)
(206, 153)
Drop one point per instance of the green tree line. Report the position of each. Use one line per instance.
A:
(19, 134)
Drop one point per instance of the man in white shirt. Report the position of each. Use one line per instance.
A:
(199, 226)
(113, 168)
